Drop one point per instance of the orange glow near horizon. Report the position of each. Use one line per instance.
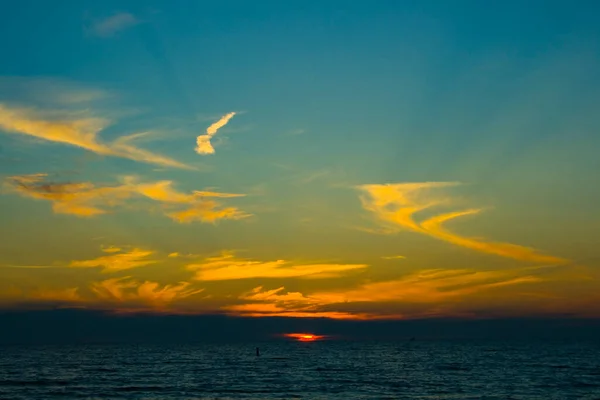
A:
(304, 337)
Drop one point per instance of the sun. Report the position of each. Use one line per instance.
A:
(304, 337)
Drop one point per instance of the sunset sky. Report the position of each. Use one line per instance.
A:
(366, 160)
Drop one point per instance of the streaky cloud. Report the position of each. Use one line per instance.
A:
(424, 287)
(49, 91)
(396, 205)
(117, 260)
(229, 267)
(430, 286)
(77, 130)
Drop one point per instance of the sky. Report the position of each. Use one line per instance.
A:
(365, 161)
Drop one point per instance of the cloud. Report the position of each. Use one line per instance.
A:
(228, 267)
(128, 290)
(117, 260)
(294, 132)
(207, 211)
(393, 257)
(77, 130)
(82, 199)
(396, 205)
(115, 23)
(272, 303)
(429, 287)
(48, 91)
(111, 249)
(86, 199)
(203, 144)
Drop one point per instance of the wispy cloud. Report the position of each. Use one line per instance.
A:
(430, 286)
(396, 205)
(87, 199)
(117, 260)
(228, 267)
(426, 287)
(109, 26)
(48, 91)
(111, 249)
(393, 257)
(78, 130)
(294, 132)
(128, 290)
(203, 144)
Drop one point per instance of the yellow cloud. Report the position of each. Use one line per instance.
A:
(228, 267)
(203, 144)
(396, 205)
(77, 130)
(86, 199)
(207, 211)
(117, 261)
(128, 290)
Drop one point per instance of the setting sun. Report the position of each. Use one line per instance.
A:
(304, 337)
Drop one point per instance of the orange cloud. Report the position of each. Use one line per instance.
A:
(77, 130)
(271, 303)
(228, 267)
(429, 287)
(117, 260)
(128, 290)
(86, 199)
(396, 205)
(203, 144)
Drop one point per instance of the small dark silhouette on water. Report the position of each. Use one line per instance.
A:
(257, 352)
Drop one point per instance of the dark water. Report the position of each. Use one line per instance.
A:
(318, 370)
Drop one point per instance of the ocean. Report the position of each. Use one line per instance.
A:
(304, 370)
